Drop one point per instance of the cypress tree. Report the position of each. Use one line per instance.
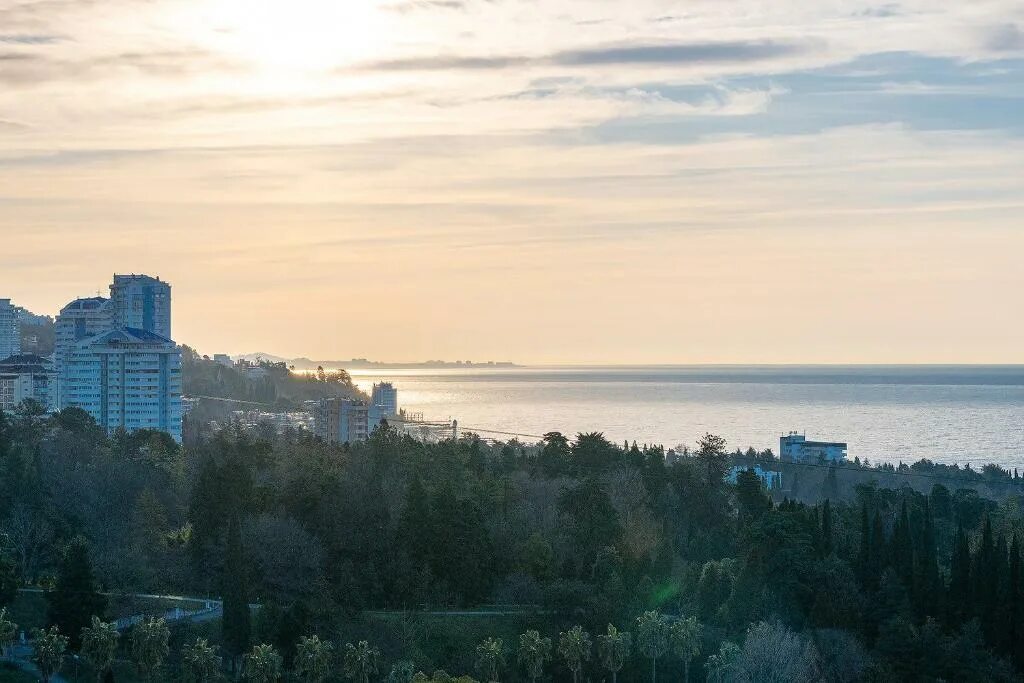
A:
(959, 601)
(74, 601)
(1013, 589)
(826, 528)
(864, 556)
(235, 624)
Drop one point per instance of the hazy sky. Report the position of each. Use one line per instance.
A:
(532, 180)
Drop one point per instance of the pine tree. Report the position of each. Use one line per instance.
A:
(235, 625)
(864, 556)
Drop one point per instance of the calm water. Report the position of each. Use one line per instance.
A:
(948, 414)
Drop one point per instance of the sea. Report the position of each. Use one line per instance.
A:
(948, 414)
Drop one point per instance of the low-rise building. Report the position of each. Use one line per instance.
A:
(24, 377)
(770, 478)
(794, 447)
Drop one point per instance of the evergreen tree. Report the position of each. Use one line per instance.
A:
(75, 600)
(235, 624)
(1014, 603)
(826, 528)
(534, 651)
(313, 660)
(959, 600)
(48, 647)
(150, 646)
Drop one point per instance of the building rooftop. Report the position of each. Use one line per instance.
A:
(126, 335)
(25, 362)
(87, 304)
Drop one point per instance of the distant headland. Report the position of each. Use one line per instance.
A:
(364, 363)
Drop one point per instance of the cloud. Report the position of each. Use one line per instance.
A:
(33, 68)
(681, 53)
(716, 52)
(28, 39)
(1005, 38)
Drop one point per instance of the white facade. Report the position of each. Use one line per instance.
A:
(142, 302)
(795, 447)
(126, 378)
(80, 319)
(10, 330)
(25, 377)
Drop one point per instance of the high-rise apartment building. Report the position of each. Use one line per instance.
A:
(24, 377)
(341, 420)
(125, 378)
(10, 330)
(142, 302)
(385, 396)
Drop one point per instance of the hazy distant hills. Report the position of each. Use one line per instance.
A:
(363, 363)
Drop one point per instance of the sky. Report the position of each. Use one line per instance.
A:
(541, 181)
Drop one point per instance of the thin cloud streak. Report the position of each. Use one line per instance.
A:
(664, 54)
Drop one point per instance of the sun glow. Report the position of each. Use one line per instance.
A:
(300, 35)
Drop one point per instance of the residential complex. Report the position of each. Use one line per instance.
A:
(771, 479)
(794, 447)
(10, 330)
(113, 358)
(26, 377)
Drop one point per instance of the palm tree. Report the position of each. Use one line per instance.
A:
(685, 637)
(613, 647)
(533, 652)
(8, 630)
(99, 643)
(149, 645)
(48, 651)
(361, 661)
(652, 638)
(313, 659)
(201, 660)
(574, 646)
(262, 665)
(490, 657)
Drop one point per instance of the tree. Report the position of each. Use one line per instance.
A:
(313, 659)
(235, 624)
(8, 631)
(685, 636)
(74, 600)
(534, 651)
(574, 646)
(613, 648)
(150, 645)
(361, 661)
(772, 653)
(200, 660)
(721, 666)
(8, 581)
(262, 665)
(402, 671)
(48, 648)
(652, 633)
(490, 657)
(99, 643)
